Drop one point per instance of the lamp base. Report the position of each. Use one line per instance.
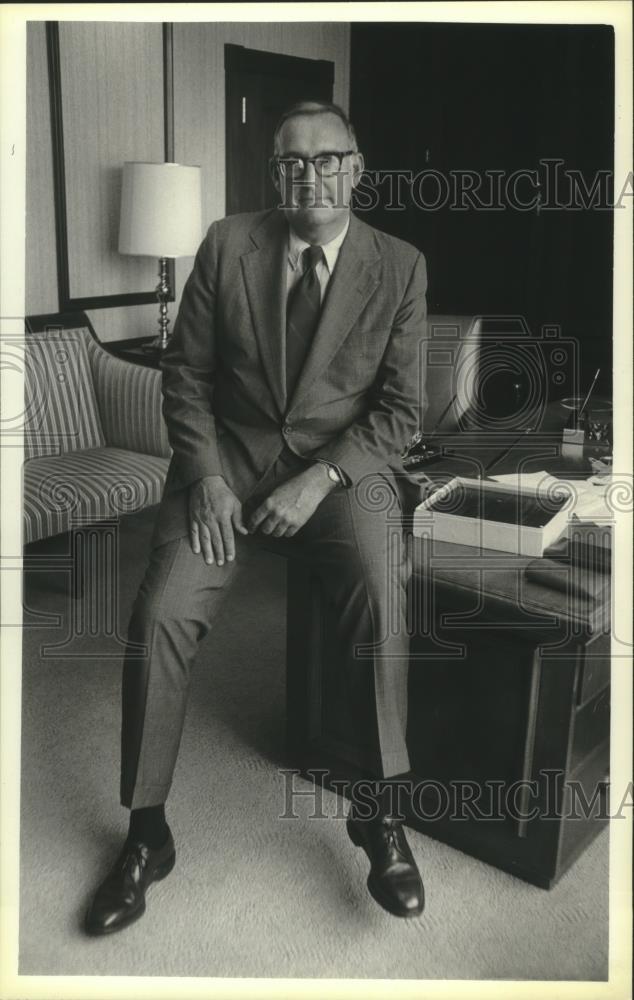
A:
(162, 294)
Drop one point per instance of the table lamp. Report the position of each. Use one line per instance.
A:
(160, 217)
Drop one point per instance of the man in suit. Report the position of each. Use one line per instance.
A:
(291, 385)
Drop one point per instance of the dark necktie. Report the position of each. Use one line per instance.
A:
(302, 315)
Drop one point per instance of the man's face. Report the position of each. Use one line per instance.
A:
(309, 199)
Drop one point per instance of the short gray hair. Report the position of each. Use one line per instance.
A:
(315, 108)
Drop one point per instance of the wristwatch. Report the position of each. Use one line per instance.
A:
(333, 474)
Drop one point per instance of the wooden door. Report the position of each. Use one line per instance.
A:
(259, 86)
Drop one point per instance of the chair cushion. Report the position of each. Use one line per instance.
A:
(80, 487)
(129, 400)
(61, 413)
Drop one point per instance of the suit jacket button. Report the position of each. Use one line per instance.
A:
(286, 429)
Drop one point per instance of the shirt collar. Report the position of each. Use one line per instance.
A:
(296, 247)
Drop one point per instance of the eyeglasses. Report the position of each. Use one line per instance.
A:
(326, 164)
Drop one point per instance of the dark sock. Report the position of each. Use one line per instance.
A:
(371, 800)
(398, 794)
(385, 797)
(149, 825)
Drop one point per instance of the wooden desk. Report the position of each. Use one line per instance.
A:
(509, 685)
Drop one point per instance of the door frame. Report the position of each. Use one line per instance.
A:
(319, 73)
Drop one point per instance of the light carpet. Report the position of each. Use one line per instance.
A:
(252, 895)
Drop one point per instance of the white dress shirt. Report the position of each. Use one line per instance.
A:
(326, 266)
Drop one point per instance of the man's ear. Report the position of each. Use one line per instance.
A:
(358, 166)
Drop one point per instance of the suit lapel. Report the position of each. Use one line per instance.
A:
(264, 274)
(356, 276)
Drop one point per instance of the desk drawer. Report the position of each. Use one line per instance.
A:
(578, 825)
(592, 728)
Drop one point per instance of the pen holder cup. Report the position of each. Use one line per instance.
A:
(593, 426)
(599, 422)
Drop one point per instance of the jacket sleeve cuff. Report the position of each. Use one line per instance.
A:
(191, 470)
(344, 480)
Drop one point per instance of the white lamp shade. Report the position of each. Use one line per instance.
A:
(160, 210)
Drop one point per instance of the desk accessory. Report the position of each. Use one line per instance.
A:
(424, 455)
(421, 451)
(601, 466)
(492, 515)
(599, 423)
(588, 546)
(574, 433)
(578, 564)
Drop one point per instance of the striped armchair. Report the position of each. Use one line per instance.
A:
(95, 443)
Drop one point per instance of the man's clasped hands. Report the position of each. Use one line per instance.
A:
(215, 512)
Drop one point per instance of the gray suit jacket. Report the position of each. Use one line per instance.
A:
(359, 396)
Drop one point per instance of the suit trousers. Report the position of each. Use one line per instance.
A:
(350, 542)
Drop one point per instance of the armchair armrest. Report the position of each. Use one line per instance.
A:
(129, 399)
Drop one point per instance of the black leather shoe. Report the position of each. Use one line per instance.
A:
(394, 880)
(120, 899)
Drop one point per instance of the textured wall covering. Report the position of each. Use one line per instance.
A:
(41, 271)
(199, 86)
(112, 85)
(104, 105)
(199, 90)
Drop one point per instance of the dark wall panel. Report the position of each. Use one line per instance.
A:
(448, 97)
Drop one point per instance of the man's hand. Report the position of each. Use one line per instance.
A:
(214, 514)
(289, 506)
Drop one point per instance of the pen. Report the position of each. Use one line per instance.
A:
(585, 402)
(427, 452)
